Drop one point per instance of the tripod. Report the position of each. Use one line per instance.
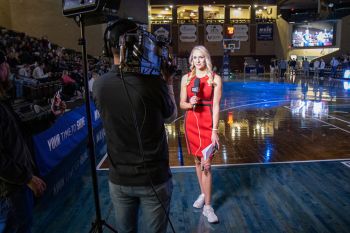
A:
(99, 222)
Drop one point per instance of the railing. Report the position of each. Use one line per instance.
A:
(161, 21)
(210, 21)
(190, 21)
(263, 20)
(239, 21)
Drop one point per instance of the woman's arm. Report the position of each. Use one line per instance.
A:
(183, 94)
(216, 109)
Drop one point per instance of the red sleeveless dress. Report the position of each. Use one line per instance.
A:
(199, 122)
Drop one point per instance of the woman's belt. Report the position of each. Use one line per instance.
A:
(204, 103)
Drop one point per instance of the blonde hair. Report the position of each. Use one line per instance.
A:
(208, 64)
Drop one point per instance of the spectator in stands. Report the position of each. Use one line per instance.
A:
(66, 79)
(272, 68)
(70, 87)
(4, 67)
(257, 65)
(345, 63)
(17, 182)
(38, 72)
(93, 78)
(316, 68)
(12, 57)
(292, 66)
(334, 65)
(23, 49)
(24, 71)
(321, 69)
(306, 67)
(58, 106)
(282, 65)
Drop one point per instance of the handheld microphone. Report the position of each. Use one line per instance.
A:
(195, 89)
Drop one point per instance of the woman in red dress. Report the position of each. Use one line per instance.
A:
(202, 107)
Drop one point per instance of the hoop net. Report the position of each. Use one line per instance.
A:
(231, 45)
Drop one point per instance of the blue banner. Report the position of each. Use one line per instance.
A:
(265, 32)
(68, 132)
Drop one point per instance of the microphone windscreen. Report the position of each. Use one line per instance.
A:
(195, 88)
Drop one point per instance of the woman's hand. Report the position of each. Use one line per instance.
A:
(194, 100)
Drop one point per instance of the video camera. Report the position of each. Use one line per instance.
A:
(144, 52)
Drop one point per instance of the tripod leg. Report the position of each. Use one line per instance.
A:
(109, 226)
(93, 228)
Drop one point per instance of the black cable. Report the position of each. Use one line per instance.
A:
(139, 140)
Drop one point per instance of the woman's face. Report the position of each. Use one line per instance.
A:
(199, 60)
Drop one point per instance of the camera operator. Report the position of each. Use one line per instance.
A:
(139, 176)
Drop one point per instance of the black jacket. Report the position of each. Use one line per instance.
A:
(152, 104)
(15, 158)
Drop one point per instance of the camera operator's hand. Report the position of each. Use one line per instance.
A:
(167, 72)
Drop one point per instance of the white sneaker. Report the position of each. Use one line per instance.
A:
(199, 203)
(208, 212)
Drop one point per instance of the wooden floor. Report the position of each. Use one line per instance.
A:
(266, 125)
(266, 120)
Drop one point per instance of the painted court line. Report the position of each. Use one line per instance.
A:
(347, 131)
(346, 163)
(314, 118)
(250, 164)
(98, 168)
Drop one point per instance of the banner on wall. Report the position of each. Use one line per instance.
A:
(162, 30)
(240, 32)
(265, 32)
(64, 137)
(188, 33)
(214, 33)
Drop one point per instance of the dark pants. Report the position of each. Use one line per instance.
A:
(321, 72)
(16, 212)
(334, 72)
(283, 71)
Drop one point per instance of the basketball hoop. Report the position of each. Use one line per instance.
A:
(231, 44)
